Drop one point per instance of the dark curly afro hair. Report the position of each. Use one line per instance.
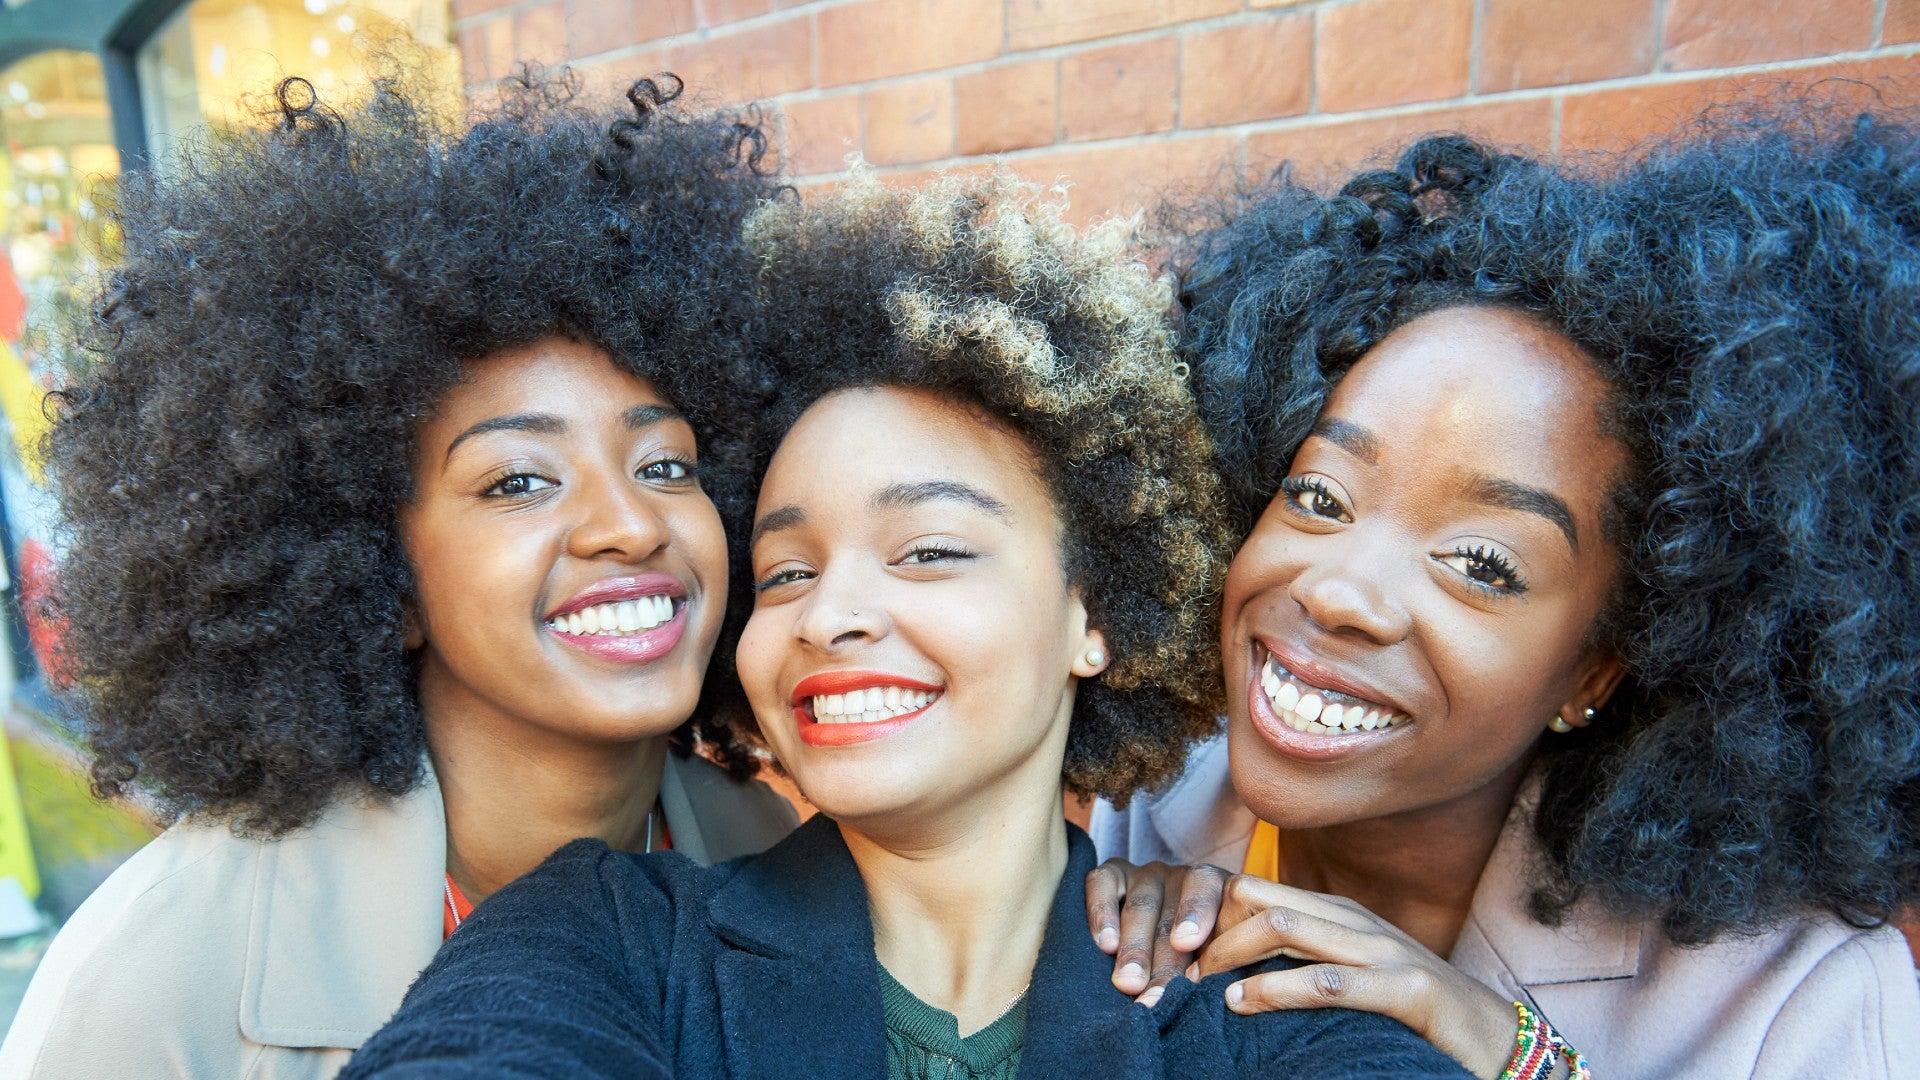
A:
(290, 305)
(978, 291)
(1752, 292)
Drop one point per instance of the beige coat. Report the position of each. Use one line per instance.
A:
(1813, 998)
(210, 956)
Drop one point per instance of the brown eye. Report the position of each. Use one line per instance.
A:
(518, 485)
(1310, 495)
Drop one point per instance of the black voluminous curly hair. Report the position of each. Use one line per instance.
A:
(290, 305)
(1752, 292)
(977, 290)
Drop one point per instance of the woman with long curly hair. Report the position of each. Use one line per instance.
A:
(984, 566)
(1574, 634)
(395, 561)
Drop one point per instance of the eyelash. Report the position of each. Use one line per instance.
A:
(1296, 486)
(1500, 565)
(492, 488)
(941, 552)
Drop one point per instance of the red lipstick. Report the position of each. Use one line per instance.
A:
(814, 733)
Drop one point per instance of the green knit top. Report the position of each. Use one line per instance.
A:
(924, 1043)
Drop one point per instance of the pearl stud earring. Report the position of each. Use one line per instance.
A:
(1096, 656)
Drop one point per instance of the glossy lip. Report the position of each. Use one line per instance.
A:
(626, 648)
(1300, 744)
(614, 589)
(814, 733)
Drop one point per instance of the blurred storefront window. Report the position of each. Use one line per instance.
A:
(188, 71)
(213, 60)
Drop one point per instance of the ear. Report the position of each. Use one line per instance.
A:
(1594, 683)
(1093, 657)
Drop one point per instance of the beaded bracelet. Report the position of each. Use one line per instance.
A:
(1536, 1048)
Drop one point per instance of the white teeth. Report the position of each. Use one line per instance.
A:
(868, 706)
(1288, 697)
(1309, 707)
(1308, 710)
(618, 617)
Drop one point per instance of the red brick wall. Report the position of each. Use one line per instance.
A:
(1125, 97)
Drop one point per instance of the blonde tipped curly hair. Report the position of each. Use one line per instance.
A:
(978, 289)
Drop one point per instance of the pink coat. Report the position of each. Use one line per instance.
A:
(1814, 997)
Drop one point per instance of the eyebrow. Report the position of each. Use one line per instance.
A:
(899, 496)
(1350, 437)
(1507, 495)
(910, 494)
(640, 416)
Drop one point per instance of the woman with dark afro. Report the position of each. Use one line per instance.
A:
(393, 491)
(982, 569)
(1575, 637)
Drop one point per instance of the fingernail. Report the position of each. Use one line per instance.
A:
(1152, 996)
(1193, 972)
(1187, 928)
(1133, 971)
(1109, 938)
(1234, 993)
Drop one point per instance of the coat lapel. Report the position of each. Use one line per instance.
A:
(799, 987)
(345, 914)
(1077, 1023)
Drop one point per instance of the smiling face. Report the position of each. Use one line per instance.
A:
(914, 643)
(569, 571)
(1413, 608)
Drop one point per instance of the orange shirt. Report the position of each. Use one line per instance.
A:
(1263, 852)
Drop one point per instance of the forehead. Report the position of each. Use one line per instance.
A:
(1490, 390)
(865, 439)
(554, 376)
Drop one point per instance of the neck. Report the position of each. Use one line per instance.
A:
(1418, 870)
(512, 799)
(959, 911)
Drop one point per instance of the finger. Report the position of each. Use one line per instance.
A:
(1139, 915)
(1106, 884)
(1201, 894)
(1284, 931)
(1400, 993)
(1168, 961)
(1246, 897)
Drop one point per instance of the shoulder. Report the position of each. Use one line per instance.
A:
(1308, 1042)
(173, 915)
(1854, 1008)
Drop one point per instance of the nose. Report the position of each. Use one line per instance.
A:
(1349, 592)
(841, 611)
(616, 520)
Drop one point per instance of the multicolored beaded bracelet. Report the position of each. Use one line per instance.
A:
(1536, 1048)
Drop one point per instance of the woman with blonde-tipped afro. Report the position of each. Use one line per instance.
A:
(982, 569)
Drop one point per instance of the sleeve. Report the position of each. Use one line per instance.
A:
(1324, 1042)
(1857, 1013)
(537, 982)
(1335, 1042)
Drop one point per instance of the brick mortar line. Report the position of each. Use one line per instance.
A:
(971, 67)
(1058, 52)
(765, 18)
(1313, 120)
(725, 30)
(1655, 78)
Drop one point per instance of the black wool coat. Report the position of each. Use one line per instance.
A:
(608, 964)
